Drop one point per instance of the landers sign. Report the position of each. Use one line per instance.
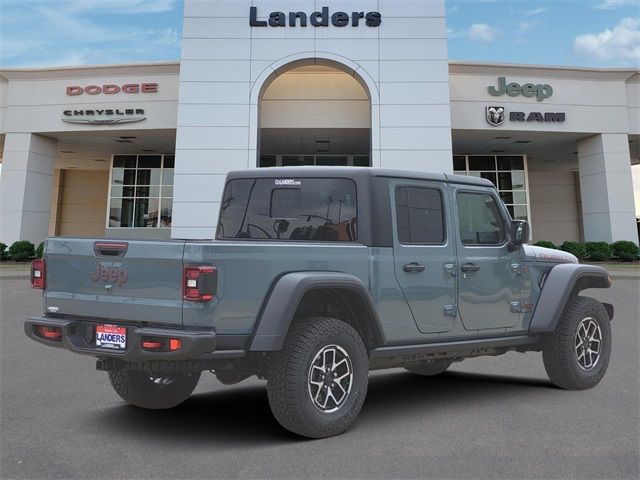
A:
(317, 19)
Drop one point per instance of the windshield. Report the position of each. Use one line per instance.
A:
(313, 209)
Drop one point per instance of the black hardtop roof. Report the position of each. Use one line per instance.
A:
(356, 173)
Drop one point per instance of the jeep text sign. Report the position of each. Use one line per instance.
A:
(513, 89)
(317, 19)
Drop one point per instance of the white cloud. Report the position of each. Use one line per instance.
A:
(622, 43)
(481, 32)
(610, 4)
(526, 26)
(536, 11)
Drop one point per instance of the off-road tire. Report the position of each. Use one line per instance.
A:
(559, 351)
(139, 388)
(288, 378)
(429, 368)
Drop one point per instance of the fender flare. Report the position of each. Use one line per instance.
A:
(284, 297)
(564, 281)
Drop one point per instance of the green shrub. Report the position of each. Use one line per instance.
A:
(576, 248)
(625, 250)
(3, 252)
(546, 244)
(598, 251)
(22, 251)
(40, 250)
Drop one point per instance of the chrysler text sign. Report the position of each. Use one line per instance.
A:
(320, 18)
(104, 116)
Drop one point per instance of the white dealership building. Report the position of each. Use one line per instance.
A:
(141, 150)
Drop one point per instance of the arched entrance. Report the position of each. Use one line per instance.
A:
(314, 111)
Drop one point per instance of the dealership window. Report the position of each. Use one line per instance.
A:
(141, 191)
(507, 172)
(314, 160)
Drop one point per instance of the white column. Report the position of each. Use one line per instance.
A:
(25, 187)
(606, 188)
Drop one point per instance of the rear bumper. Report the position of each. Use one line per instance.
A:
(79, 336)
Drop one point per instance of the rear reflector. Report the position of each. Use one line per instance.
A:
(161, 344)
(38, 273)
(200, 283)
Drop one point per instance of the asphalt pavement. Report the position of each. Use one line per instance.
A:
(485, 418)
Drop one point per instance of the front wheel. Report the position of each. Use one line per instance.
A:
(576, 355)
(318, 382)
(153, 391)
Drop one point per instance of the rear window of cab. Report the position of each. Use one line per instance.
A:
(301, 209)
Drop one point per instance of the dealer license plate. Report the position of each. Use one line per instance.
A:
(111, 336)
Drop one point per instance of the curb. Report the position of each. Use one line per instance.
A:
(15, 276)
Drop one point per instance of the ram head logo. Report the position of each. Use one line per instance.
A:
(495, 115)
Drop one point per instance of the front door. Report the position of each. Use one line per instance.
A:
(423, 251)
(489, 277)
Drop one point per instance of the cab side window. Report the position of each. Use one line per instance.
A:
(480, 219)
(420, 216)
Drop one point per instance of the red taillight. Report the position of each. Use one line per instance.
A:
(200, 283)
(38, 272)
(50, 333)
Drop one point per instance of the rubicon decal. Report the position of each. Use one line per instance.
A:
(104, 116)
(321, 18)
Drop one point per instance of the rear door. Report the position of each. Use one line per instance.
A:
(489, 277)
(129, 280)
(424, 252)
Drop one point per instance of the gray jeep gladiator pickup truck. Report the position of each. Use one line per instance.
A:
(316, 276)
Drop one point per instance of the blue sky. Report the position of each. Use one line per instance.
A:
(560, 32)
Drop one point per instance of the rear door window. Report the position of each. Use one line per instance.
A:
(419, 216)
(307, 209)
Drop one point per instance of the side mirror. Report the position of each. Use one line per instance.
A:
(519, 233)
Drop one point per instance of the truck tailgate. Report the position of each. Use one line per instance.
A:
(126, 280)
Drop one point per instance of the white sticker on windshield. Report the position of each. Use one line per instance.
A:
(288, 182)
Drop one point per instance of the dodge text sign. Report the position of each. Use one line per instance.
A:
(111, 89)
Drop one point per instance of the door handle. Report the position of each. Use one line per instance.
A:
(413, 267)
(469, 267)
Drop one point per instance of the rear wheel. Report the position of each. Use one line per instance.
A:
(318, 382)
(429, 368)
(576, 355)
(153, 391)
